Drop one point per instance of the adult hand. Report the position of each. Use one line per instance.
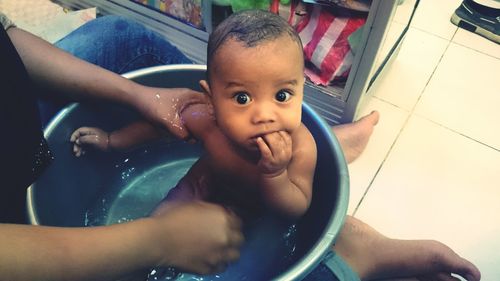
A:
(164, 106)
(205, 238)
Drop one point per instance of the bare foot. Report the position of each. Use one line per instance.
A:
(353, 137)
(374, 256)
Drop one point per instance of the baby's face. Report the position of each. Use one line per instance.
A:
(258, 90)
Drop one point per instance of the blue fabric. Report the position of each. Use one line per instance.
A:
(120, 45)
(321, 273)
(117, 44)
(333, 268)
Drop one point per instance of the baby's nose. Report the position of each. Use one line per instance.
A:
(263, 114)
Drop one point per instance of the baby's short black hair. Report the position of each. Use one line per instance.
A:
(250, 27)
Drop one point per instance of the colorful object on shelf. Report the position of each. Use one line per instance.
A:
(222, 2)
(188, 11)
(355, 5)
(239, 5)
(324, 36)
(275, 6)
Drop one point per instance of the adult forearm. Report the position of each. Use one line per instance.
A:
(63, 74)
(49, 253)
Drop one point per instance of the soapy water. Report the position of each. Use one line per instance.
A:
(139, 181)
(269, 243)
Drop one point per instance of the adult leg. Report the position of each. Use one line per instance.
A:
(374, 256)
(353, 137)
(116, 44)
(120, 45)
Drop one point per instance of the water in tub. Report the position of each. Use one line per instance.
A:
(143, 178)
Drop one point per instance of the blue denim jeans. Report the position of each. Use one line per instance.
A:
(116, 44)
(321, 273)
(332, 268)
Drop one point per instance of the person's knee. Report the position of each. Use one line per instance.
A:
(117, 24)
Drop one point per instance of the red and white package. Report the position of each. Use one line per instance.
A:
(324, 35)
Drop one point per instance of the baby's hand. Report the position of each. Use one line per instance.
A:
(276, 152)
(85, 137)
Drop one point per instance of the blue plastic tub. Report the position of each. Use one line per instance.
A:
(106, 188)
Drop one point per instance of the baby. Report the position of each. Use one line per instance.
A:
(259, 156)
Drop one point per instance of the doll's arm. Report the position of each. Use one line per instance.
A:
(288, 189)
(134, 134)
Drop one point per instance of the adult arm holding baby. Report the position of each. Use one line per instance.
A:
(63, 75)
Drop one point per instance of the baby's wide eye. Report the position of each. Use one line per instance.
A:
(283, 96)
(242, 98)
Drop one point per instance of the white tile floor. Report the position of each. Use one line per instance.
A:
(45, 18)
(432, 167)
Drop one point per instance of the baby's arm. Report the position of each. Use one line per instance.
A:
(135, 133)
(287, 171)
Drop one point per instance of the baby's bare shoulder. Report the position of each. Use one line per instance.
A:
(302, 136)
(304, 147)
(198, 119)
